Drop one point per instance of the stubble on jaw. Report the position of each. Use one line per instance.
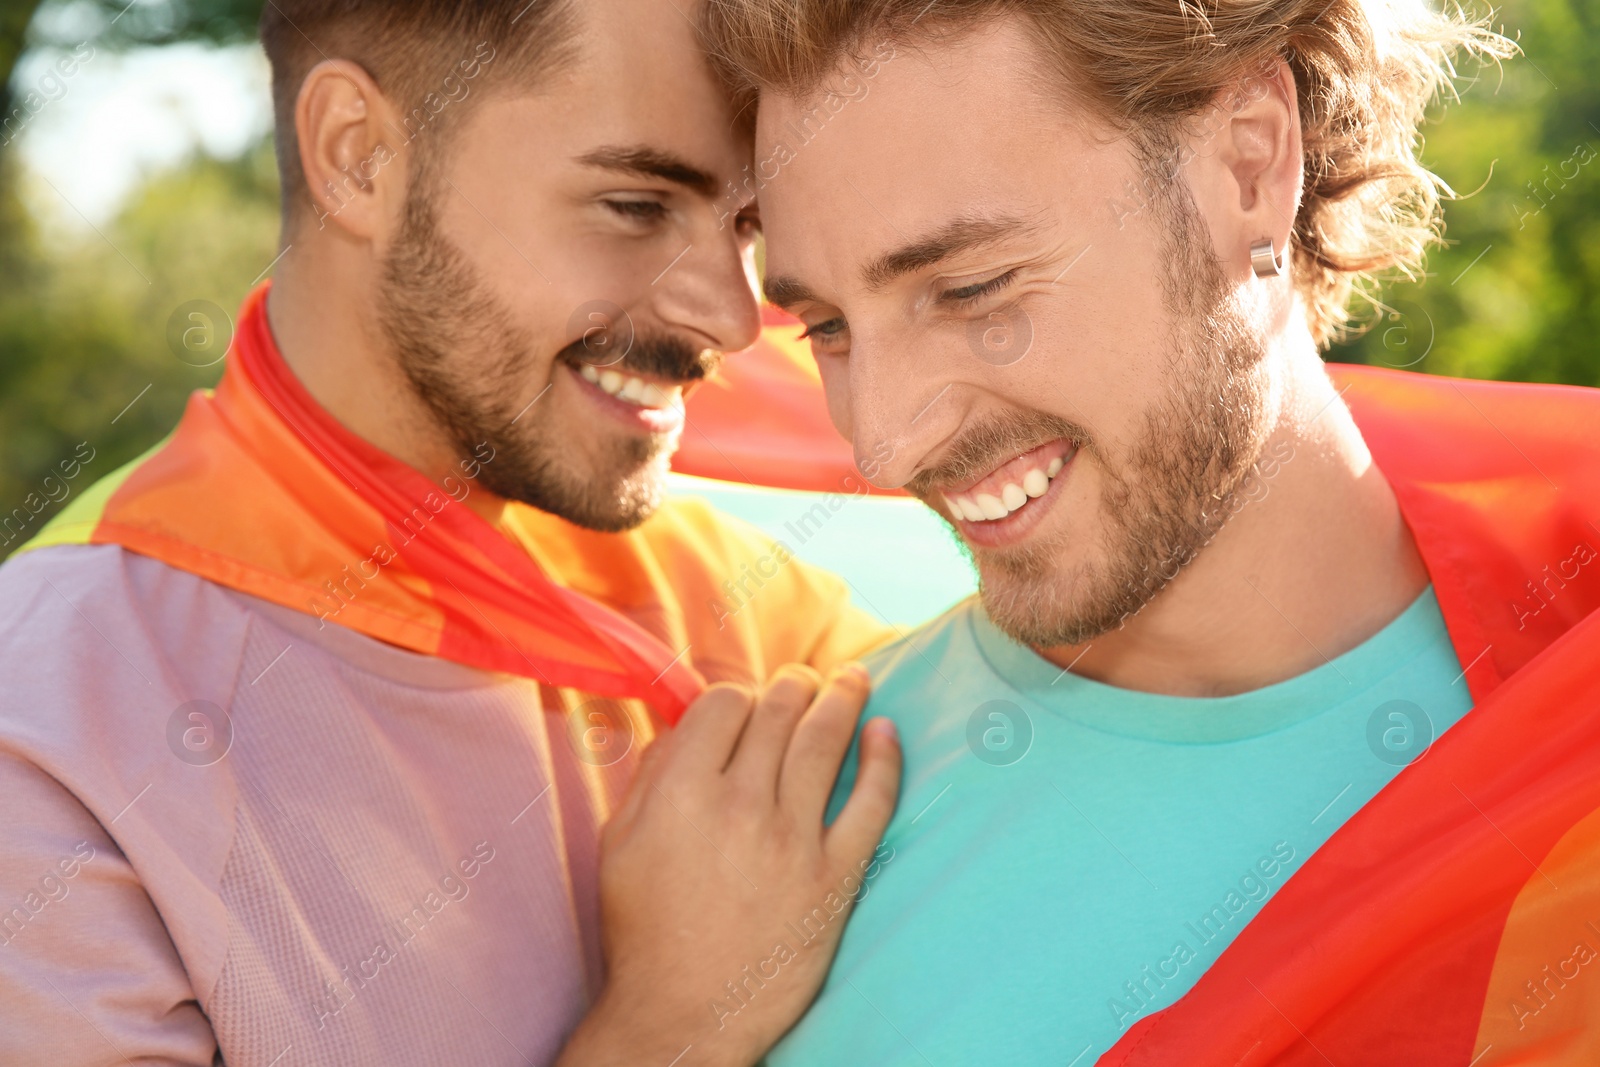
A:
(467, 360)
(1161, 506)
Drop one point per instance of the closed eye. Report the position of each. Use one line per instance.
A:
(638, 210)
(967, 294)
(832, 327)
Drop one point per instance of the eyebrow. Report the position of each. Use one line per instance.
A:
(959, 235)
(647, 162)
(786, 291)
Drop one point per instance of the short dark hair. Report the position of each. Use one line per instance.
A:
(415, 50)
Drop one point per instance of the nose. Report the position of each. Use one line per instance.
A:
(710, 290)
(899, 411)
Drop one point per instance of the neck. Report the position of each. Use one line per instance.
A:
(323, 313)
(1315, 561)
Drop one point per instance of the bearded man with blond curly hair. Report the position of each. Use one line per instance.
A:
(1071, 266)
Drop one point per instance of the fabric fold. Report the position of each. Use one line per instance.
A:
(261, 490)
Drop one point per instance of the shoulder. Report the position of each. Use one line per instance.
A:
(96, 641)
(916, 653)
(742, 558)
(932, 672)
(59, 600)
(740, 588)
(99, 648)
(1435, 428)
(692, 521)
(928, 682)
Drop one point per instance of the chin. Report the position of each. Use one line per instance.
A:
(615, 494)
(1055, 603)
(631, 500)
(640, 493)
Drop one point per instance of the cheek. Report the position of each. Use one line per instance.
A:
(1098, 370)
(835, 371)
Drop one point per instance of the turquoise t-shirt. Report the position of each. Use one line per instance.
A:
(1068, 857)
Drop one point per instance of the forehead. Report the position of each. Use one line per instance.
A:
(972, 124)
(639, 76)
(638, 45)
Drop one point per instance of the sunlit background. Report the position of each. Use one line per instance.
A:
(144, 180)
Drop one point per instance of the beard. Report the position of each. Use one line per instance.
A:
(1173, 493)
(469, 362)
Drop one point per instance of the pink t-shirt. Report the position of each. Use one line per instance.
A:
(369, 857)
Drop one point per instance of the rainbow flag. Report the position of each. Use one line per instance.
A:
(1455, 920)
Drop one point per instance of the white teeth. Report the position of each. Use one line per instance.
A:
(962, 508)
(986, 507)
(991, 506)
(632, 390)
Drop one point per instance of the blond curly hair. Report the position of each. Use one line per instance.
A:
(1365, 71)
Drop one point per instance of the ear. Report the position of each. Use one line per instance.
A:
(353, 172)
(1250, 171)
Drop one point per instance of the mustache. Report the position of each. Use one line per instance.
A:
(653, 355)
(989, 444)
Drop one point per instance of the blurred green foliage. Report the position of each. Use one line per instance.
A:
(84, 321)
(84, 355)
(117, 24)
(84, 318)
(121, 23)
(1515, 294)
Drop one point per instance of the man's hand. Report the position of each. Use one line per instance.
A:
(722, 894)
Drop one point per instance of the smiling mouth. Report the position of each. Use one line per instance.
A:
(631, 389)
(1012, 486)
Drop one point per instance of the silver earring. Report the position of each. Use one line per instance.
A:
(1266, 262)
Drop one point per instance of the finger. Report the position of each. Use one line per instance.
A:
(756, 761)
(820, 742)
(649, 767)
(704, 738)
(860, 825)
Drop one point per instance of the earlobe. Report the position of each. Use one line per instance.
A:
(1264, 154)
(343, 150)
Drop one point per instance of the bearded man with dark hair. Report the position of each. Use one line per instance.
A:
(315, 713)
